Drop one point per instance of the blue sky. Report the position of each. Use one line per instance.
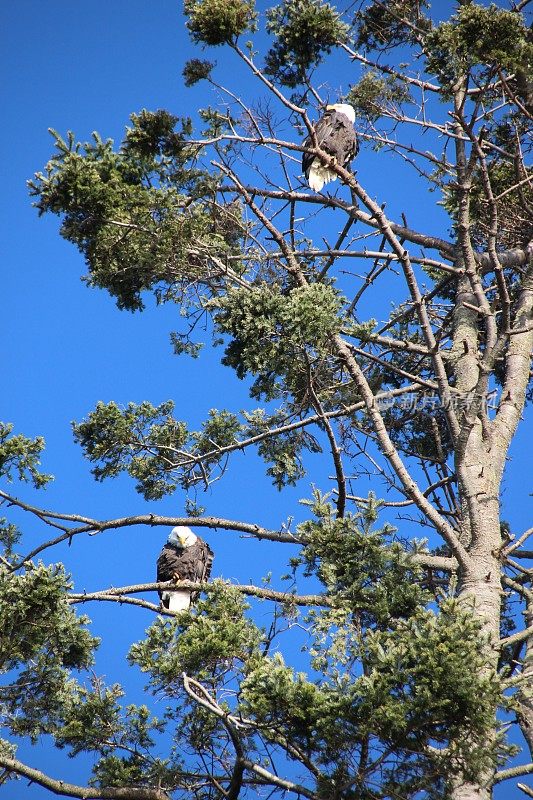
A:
(67, 346)
(88, 67)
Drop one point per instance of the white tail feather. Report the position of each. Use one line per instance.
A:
(319, 175)
(177, 601)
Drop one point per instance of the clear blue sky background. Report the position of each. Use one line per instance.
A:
(86, 67)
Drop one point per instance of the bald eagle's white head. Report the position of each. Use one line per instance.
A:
(181, 536)
(343, 108)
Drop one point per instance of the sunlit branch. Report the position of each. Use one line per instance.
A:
(372, 254)
(523, 591)
(521, 636)
(93, 526)
(513, 772)
(61, 787)
(263, 593)
(275, 780)
(398, 344)
(528, 180)
(122, 599)
(516, 543)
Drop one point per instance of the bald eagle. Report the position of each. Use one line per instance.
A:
(336, 135)
(185, 557)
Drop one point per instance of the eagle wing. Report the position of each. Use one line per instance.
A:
(202, 561)
(168, 564)
(336, 135)
(189, 563)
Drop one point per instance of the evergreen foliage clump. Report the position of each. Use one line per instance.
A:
(304, 32)
(479, 37)
(383, 26)
(374, 93)
(130, 212)
(274, 331)
(217, 22)
(19, 457)
(196, 70)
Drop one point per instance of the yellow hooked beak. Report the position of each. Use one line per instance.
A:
(183, 538)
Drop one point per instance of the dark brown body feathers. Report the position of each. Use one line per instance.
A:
(336, 135)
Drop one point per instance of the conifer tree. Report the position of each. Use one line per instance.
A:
(418, 666)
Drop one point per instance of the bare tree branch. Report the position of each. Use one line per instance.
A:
(120, 594)
(63, 788)
(513, 772)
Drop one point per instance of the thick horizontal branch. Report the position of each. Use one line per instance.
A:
(517, 637)
(275, 780)
(92, 526)
(96, 526)
(72, 790)
(121, 593)
(442, 563)
(397, 344)
(515, 257)
(513, 772)
(121, 599)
